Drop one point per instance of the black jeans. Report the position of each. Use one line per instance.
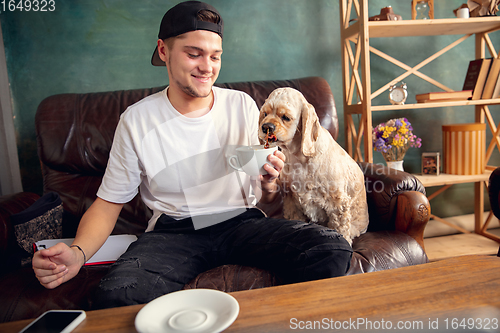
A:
(164, 260)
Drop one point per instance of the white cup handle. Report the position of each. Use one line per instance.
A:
(230, 161)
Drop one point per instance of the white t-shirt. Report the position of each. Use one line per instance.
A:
(180, 163)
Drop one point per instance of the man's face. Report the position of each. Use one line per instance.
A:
(193, 62)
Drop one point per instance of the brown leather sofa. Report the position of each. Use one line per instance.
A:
(75, 132)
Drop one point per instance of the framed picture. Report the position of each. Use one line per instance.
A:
(430, 164)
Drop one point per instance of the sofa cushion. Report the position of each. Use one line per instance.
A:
(42, 220)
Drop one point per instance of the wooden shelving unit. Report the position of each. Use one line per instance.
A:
(356, 32)
(446, 179)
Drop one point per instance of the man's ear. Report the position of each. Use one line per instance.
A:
(310, 129)
(162, 50)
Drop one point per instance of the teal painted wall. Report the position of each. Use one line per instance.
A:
(88, 46)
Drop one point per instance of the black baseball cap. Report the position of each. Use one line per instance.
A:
(182, 18)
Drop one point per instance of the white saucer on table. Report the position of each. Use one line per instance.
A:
(193, 311)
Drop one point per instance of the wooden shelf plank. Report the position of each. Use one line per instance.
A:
(447, 179)
(357, 108)
(436, 105)
(435, 27)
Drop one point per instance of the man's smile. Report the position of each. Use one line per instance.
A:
(203, 79)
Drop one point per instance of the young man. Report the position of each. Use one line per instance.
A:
(174, 145)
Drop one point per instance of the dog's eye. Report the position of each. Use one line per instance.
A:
(265, 114)
(285, 118)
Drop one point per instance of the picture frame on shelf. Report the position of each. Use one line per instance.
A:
(431, 163)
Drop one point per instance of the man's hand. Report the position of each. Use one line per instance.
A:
(57, 264)
(60, 262)
(269, 183)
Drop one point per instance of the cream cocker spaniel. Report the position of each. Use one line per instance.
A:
(321, 182)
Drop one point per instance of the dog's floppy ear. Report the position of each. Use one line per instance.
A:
(310, 129)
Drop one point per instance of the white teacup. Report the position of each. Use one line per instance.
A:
(251, 159)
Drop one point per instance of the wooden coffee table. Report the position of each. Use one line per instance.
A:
(439, 295)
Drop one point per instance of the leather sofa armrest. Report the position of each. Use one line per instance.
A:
(413, 213)
(9, 205)
(396, 201)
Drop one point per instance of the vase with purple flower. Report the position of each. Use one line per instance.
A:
(392, 139)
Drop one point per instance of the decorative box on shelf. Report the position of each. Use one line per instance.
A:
(431, 163)
(464, 147)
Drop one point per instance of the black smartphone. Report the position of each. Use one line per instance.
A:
(56, 321)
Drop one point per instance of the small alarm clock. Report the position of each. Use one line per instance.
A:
(398, 94)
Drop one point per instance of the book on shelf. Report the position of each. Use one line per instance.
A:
(496, 90)
(444, 96)
(492, 80)
(475, 79)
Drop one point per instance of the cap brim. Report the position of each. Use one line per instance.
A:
(155, 60)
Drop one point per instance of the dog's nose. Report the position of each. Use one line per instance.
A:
(268, 128)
